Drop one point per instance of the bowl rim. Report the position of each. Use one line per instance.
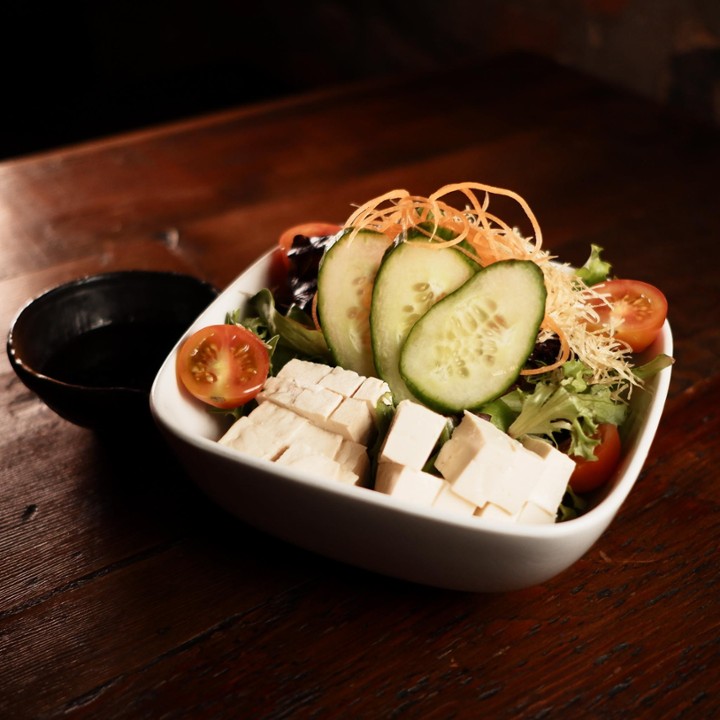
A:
(90, 278)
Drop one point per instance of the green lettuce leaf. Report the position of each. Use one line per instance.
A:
(288, 336)
(595, 270)
(653, 367)
(566, 404)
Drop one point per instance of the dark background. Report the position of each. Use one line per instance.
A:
(77, 71)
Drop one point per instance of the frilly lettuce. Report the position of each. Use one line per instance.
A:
(594, 270)
(563, 406)
(288, 336)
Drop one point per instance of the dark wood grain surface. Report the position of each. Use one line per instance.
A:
(125, 593)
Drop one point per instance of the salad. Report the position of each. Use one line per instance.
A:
(457, 313)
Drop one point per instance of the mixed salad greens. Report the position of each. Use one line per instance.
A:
(457, 310)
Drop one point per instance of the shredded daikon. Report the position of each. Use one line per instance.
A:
(487, 239)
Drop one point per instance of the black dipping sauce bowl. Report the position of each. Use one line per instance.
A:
(90, 348)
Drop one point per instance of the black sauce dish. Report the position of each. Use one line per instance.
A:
(90, 348)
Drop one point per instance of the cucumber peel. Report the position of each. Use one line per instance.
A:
(469, 348)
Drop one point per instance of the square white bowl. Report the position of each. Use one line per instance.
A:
(374, 531)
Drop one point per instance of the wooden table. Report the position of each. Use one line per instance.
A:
(125, 593)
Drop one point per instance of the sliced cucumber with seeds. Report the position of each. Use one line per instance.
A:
(410, 280)
(345, 282)
(470, 347)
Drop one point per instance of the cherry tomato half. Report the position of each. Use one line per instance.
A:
(637, 310)
(223, 365)
(592, 474)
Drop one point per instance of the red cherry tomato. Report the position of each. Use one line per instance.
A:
(637, 310)
(223, 365)
(592, 474)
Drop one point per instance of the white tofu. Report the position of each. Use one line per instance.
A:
(413, 433)
(448, 499)
(303, 372)
(460, 460)
(299, 451)
(247, 437)
(316, 404)
(406, 483)
(467, 441)
(344, 382)
(350, 478)
(304, 457)
(281, 392)
(354, 458)
(266, 431)
(322, 441)
(353, 420)
(234, 431)
(471, 482)
(556, 472)
(278, 420)
(532, 513)
(291, 424)
(490, 511)
(515, 472)
(483, 464)
(371, 390)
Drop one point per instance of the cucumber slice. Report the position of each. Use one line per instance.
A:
(410, 280)
(345, 282)
(470, 347)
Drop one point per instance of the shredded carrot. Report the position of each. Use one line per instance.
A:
(491, 238)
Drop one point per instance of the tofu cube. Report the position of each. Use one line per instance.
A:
(490, 511)
(303, 372)
(348, 477)
(344, 382)
(353, 420)
(555, 475)
(511, 477)
(316, 404)
(254, 440)
(281, 392)
(322, 441)
(353, 457)
(278, 420)
(448, 499)
(471, 482)
(483, 464)
(406, 483)
(532, 513)
(304, 457)
(371, 390)
(413, 434)
(469, 438)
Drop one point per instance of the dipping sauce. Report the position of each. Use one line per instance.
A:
(126, 355)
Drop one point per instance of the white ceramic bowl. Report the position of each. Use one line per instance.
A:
(375, 531)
